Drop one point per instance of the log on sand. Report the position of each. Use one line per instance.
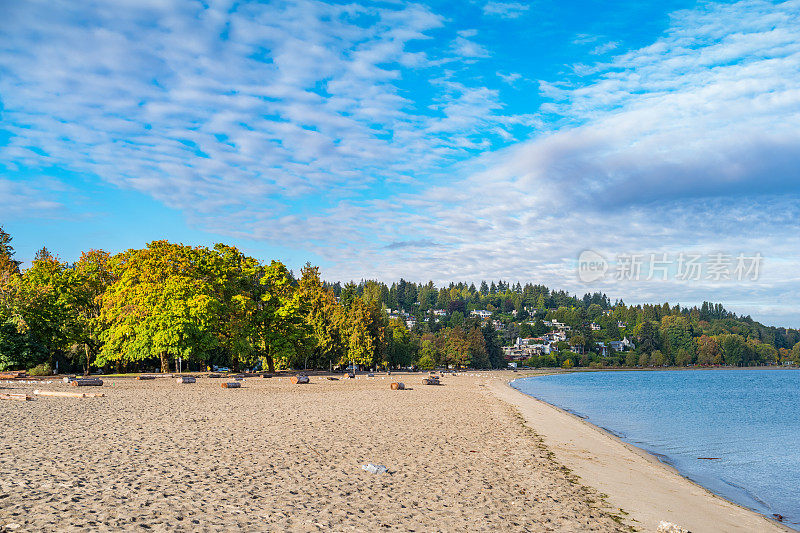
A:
(145, 376)
(16, 374)
(231, 385)
(88, 382)
(298, 379)
(398, 386)
(62, 394)
(185, 379)
(15, 396)
(66, 394)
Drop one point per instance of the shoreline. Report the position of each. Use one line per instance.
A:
(634, 480)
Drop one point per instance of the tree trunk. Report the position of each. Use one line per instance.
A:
(270, 361)
(86, 367)
(164, 362)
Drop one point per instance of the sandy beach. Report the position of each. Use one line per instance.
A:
(156, 455)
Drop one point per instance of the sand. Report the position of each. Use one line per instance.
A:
(634, 480)
(156, 455)
(470, 455)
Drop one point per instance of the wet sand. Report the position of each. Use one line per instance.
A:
(156, 455)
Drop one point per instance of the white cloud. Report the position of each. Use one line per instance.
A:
(210, 108)
(691, 143)
(469, 49)
(510, 78)
(509, 10)
(604, 48)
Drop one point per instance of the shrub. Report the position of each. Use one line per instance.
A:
(43, 369)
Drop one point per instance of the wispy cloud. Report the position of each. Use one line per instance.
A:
(422, 243)
(214, 109)
(466, 48)
(279, 122)
(509, 10)
(604, 48)
(689, 143)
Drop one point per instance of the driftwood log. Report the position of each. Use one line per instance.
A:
(65, 394)
(298, 379)
(185, 379)
(16, 396)
(231, 385)
(398, 386)
(433, 380)
(215, 375)
(88, 382)
(17, 374)
(145, 376)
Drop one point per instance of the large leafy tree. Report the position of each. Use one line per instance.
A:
(237, 289)
(40, 308)
(323, 318)
(360, 343)
(87, 282)
(278, 323)
(160, 305)
(479, 358)
(708, 351)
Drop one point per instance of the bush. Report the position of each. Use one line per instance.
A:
(41, 370)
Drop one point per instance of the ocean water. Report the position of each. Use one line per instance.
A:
(746, 420)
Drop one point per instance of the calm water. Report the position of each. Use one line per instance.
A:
(749, 419)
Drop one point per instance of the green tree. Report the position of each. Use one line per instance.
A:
(87, 282)
(683, 357)
(795, 355)
(708, 351)
(8, 265)
(322, 316)
(428, 357)
(279, 326)
(360, 344)
(41, 310)
(657, 359)
(158, 306)
(479, 358)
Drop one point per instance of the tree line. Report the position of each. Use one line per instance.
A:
(146, 308)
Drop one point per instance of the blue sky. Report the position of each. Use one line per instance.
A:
(441, 140)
